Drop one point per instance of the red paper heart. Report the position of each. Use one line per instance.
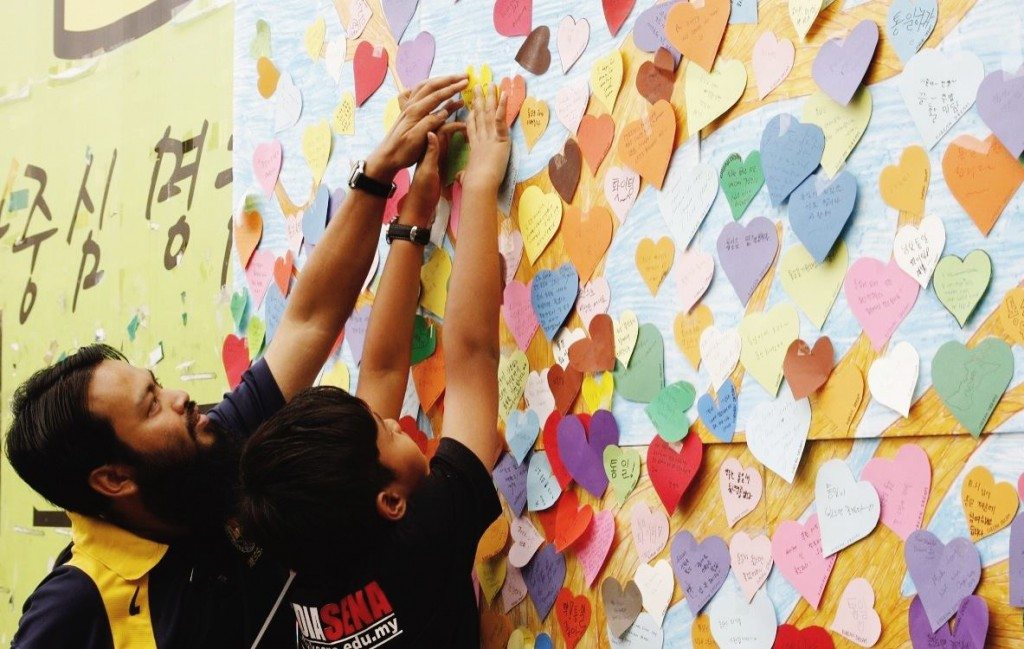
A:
(549, 437)
(672, 471)
(597, 353)
(426, 445)
(573, 614)
(616, 12)
(811, 637)
(283, 267)
(235, 355)
(549, 520)
(571, 520)
(565, 386)
(391, 207)
(370, 67)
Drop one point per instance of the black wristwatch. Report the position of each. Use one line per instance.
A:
(359, 180)
(401, 232)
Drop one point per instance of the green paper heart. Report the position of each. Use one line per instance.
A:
(240, 309)
(668, 410)
(260, 45)
(622, 466)
(741, 180)
(457, 158)
(960, 284)
(424, 339)
(255, 333)
(645, 376)
(972, 381)
(133, 327)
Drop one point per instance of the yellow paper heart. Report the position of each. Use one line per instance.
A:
(391, 112)
(688, 328)
(597, 394)
(710, 94)
(540, 214)
(434, 278)
(803, 13)
(765, 338)
(839, 400)
(843, 125)
(522, 638)
(811, 285)
(316, 146)
(343, 121)
(491, 574)
(314, 40)
(512, 372)
(337, 376)
(481, 79)
(533, 117)
(627, 328)
(989, 506)
(654, 260)
(606, 78)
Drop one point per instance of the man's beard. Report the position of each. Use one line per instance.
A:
(196, 492)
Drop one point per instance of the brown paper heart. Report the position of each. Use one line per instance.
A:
(565, 385)
(654, 79)
(586, 236)
(621, 605)
(807, 369)
(564, 170)
(597, 353)
(534, 55)
(595, 135)
(646, 144)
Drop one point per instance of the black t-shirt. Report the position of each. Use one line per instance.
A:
(416, 590)
(214, 591)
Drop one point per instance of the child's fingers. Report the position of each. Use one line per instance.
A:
(499, 116)
(432, 154)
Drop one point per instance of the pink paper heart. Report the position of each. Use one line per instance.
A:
(741, 489)
(259, 274)
(513, 590)
(621, 187)
(773, 61)
(751, 561)
(513, 17)
(456, 213)
(266, 165)
(649, 528)
(903, 484)
(592, 548)
(594, 298)
(517, 310)
(880, 296)
(571, 102)
(525, 541)
(510, 245)
(694, 271)
(856, 620)
(796, 550)
(573, 36)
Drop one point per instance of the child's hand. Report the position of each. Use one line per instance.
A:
(419, 204)
(489, 144)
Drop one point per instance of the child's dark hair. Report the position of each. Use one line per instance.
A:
(309, 479)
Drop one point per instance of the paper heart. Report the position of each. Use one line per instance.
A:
(573, 613)
(982, 176)
(513, 17)
(1016, 557)
(267, 77)
(909, 24)
(741, 180)
(402, 183)
(571, 103)
(553, 293)
(811, 637)
(535, 116)
(796, 550)
(429, 379)
(649, 30)
(971, 382)
(803, 13)
(398, 14)
(971, 626)
(621, 187)
(738, 623)
(668, 410)
(880, 296)
(565, 386)
(843, 125)
(255, 332)
(893, 377)
(938, 88)
(513, 591)
(571, 520)
(622, 466)
(627, 330)
(514, 90)
(597, 353)
(594, 298)
(525, 542)
(1000, 102)
(943, 573)
(494, 539)
(573, 36)
(534, 54)
(685, 199)
(709, 95)
(688, 328)
(592, 548)
(542, 489)
(415, 59)
(248, 230)
(989, 506)
(645, 145)
(841, 63)
(751, 560)
(813, 286)
(260, 45)
(776, 434)
(540, 214)
(259, 275)
(672, 470)
(240, 308)
(772, 60)
(314, 219)
(621, 605)
(521, 431)
(512, 372)
(847, 510)
(266, 165)
(582, 450)
(720, 417)
(606, 78)
(655, 79)
(283, 268)
(701, 568)
(615, 13)
(904, 186)
(495, 629)
(510, 479)
(595, 135)
(598, 390)
(903, 484)
(819, 209)
(645, 376)
(510, 245)
(697, 31)
(720, 351)
(856, 619)
(807, 369)
(917, 249)
(746, 253)
(287, 104)
(564, 170)
(694, 271)
(434, 276)
(839, 401)
(491, 575)
(370, 66)
(790, 151)
(656, 586)
(961, 283)
(517, 311)
(741, 490)
(766, 337)
(649, 529)
(544, 576)
(235, 357)
(562, 341)
(654, 260)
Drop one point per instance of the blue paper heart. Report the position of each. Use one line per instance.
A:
(790, 151)
(542, 488)
(553, 293)
(543, 641)
(314, 221)
(544, 576)
(909, 25)
(510, 479)
(273, 310)
(719, 418)
(521, 430)
(819, 210)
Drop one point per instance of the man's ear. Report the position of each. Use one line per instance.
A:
(391, 504)
(114, 481)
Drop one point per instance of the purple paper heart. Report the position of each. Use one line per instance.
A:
(415, 58)
(701, 568)
(333, 205)
(971, 626)
(1017, 561)
(790, 151)
(649, 30)
(1001, 104)
(943, 574)
(355, 331)
(842, 62)
(544, 576)
(583, 454)
(399, 14)
(746, 252)
(510, 479)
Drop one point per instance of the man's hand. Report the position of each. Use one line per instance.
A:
(407, 140)
(420, 203)
(489, 144)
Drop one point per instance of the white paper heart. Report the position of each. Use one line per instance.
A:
(777, 432)
(656, 584)
(719, 353)
(571, 103)
(917, 249)
(685, 198)
(563, 340)
(538, 395)
(737, 623)
(893, 377)
(525, 541)
(938, 88)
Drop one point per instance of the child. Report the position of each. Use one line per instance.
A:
(382, 543)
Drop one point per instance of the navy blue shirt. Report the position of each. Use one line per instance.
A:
(205, 592)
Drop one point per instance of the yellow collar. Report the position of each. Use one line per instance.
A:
(127, 555)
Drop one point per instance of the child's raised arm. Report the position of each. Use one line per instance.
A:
(474, 293)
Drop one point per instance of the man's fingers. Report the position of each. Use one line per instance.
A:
(426, 87)
(429, 102)
(430, 158)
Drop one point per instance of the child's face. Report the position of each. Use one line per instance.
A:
(399, 453)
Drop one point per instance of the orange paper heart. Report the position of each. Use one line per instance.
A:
(565, 386)
(514, 90)
(839, 400)
(283, 268)
(248, 232)
(494, 540)
(267, 77)
(571, 521)
(597, 353)
(646, 144)
(586, 236)
(495, 629)
(982, 176)
(688, 328)
(654, 260)
(573, 614)
(697, 31)
(904, 186)
(595, 134)
(428, 376)
(989, 506)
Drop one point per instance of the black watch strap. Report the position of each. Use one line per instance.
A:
(401, 232)
(359, 180)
